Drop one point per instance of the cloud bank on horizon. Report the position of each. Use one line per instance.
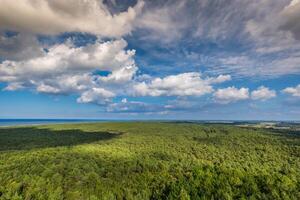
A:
(156, 57)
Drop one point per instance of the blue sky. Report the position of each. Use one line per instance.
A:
(113, 59)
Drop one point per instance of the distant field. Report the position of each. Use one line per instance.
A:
(148, 160)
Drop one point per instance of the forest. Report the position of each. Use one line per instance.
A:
(148, 160)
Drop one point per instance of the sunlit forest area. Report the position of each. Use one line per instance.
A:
(148, 160)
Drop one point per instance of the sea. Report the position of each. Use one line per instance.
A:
(21, 122)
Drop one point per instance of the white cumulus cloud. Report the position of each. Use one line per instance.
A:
(185, 84)
(263, 93)
(294, 91)
(68, 63)
(95, 95)
(220, 79)
(231, 94)
(67, 69)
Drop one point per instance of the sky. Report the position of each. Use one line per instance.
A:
(129, 59)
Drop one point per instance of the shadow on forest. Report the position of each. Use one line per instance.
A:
(32, 137)
(287, 133)
(289, 137)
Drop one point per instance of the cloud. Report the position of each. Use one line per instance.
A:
(247, 38)
(294, 91)
(220, 20)
(231, 94)
(126, 106)
(62, 59)
(45, 89)
(63, 84)
(55, 17)
(263, 93)
(220, 79)
(290, 18)
(96, 95)
(256, 66)
(130, 106)
(165, 19)
(14, 86)
(275, 29)
(183, 104)
(202, 20)
(185, 84)
(66, 69)
(19, 47)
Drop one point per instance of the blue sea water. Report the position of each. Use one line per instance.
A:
(16, 122)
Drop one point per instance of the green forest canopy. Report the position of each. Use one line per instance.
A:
(148, 160)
